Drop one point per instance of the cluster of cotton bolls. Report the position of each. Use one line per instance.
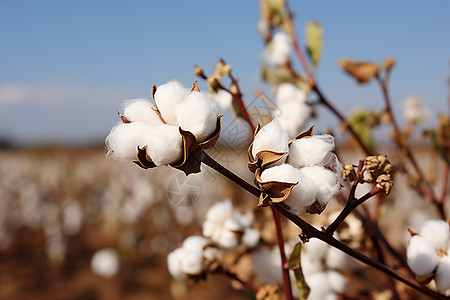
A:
(322, 267)
(157, 129)
(293, 111)
(428, 253)
(224, 229)
(308, 163)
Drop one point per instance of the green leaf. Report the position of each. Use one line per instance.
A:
(314, 42)
(237, 109)
(295, 265)
(360, 123)
(282, 75)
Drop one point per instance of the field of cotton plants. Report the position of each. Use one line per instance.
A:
(202, 191)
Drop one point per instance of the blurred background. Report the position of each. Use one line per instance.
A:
(66, 67)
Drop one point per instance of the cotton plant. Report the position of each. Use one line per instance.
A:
(428, 253)
(303, 172)
(172, 132)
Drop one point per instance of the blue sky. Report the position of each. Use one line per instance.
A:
(66, 66)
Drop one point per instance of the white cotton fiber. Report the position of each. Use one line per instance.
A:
(316, 249)
(337, 281)
(140, 110)
(164, 144)
(105, 262)
(222, 98)
(271, 137)
(421, 256)
(280, 50)
(315, 150)
(174, 260)
(192, 262)
(250, 237)
(437, 232)
(336, 259)
(123, 140)
(194, 242)
(293, 116)
(197, 114)
(167, 96)
(442, 276)
(287, 93)
(326, 181)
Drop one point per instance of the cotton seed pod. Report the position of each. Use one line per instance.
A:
(167, 96)
(123, 140)
(197, 114)
(164, 144)
(437, 232)
(315, 150)
(421, 256)
(349, 172)
(141, 110)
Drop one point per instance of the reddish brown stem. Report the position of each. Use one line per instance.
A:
(284, 261)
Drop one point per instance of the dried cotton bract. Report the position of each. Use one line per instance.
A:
(173, 132)
(308, 180)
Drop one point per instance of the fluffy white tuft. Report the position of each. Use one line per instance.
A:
(327, 182)
(337, 282)
(164, 144)
(197, 114)
(141, 110)
(222, 98)
(315, 150)
(271, 137)
(414, 111)
(293, 116)
(280, 50)
(421, 256)
(167, 96)
(287, 93)
(105, 262)
(123, 140)
(437, 232)
(442, 276)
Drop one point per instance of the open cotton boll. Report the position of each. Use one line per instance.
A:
(280, 50)
(287, 92)
(271, 137)
(337, 281)
(167, 96)
(327, 182)
(197, 114)
(336, 259)
(223, 98)
(319, 285)
(164, 144)
(293, 116)
(421, 256)
(442, 276)
(245, 219)
(220, 211)
(250, 237)
(124, 138)
(437, 232)
(174, 260)
(302, 195)
(105, 262)
(140, 110)
(194, 242)
(192, 262)
(316, 249)
(315, 150)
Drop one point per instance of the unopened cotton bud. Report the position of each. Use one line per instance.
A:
(123, 140)
(105, 262)
(314, 150)
(213, 82)
(437, 232)
(442, 276)
(271, 137)
(287, 92)
(198, 115)
(327, 182)
(349, 172)
(164, 144)
(167, 96)
(141, 110)
(421, 256)
(302, 195)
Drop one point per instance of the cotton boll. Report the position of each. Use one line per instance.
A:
(197, 114)
(326, 180)
(414, 111)
(310, 264)
(220, 211)
(167, 96)
(271, 137)
(421, 256)
(437, 232)
(245, 219)
(442, 276)
(174, 260)
(105, 262)
(250, 237)
(192, 262)
(267, 265)
(227, 239)
(315, 150)
(280, 51)
(336, 259)
(293, 116)
(140, 110)
(287, 93)
(316, 249)
(302, 195)
(123, 140)
(319, 285)
(337, 282)
(194, 242)
(164, 144)
(222, 98)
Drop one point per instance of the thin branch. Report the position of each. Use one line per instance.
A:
(233, 276)
(309, 231)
